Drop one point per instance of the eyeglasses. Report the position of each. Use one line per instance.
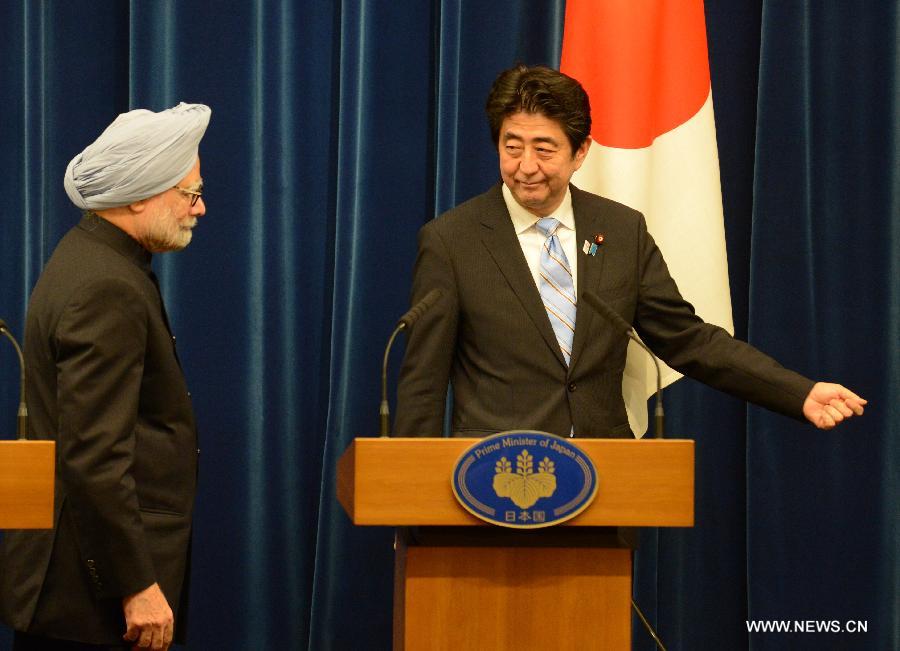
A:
(193, 194)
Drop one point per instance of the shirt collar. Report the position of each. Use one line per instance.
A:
(523, 220)
(116, 239)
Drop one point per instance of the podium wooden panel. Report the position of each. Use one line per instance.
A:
(484, 596)
(512, 598)
(406, 482)
(26, 484)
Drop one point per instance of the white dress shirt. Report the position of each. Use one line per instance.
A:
(531, 239)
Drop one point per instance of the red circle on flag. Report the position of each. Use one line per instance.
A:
(643, 64)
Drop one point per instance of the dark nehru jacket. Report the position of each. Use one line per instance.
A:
(105, 383)
(490, 335)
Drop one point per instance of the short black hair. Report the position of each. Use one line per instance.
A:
(539, 89)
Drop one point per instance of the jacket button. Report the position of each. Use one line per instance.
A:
(572, 387)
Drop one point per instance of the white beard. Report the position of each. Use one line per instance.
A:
(167, 233)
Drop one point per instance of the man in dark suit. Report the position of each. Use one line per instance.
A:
(520, 350)
(105, 383)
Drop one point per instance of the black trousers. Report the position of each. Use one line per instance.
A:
(27, 642)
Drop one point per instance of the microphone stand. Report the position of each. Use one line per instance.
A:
(385, 411)
(603, 308)
(659, 418)
(22, 414)
(406, 321)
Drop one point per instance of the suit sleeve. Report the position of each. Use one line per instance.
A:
(705, 352)
(100, 347)
(431, 344)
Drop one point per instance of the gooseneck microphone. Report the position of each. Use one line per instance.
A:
(22, 415)
(603, 308)
(406, 322)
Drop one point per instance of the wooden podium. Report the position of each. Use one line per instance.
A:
(553, 588)
(26, 484)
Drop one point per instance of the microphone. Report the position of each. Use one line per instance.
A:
(405, 323)
(603, 308)
(22, 415)
(414, 314)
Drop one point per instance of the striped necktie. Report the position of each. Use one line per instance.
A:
(556, 286)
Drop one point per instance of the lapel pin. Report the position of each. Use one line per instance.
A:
(591, 247)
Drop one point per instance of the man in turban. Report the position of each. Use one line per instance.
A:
(105, 383)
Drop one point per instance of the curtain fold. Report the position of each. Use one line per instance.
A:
(338, 129)
(823, 507)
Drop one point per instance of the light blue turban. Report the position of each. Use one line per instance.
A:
(139, 155)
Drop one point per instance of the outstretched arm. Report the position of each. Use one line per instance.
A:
(828, 404)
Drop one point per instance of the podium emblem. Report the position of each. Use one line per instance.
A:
(524, 479)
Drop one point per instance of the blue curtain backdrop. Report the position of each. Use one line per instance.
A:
(338, 129)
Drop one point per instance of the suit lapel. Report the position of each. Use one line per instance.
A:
(502, 243)
(590, 269)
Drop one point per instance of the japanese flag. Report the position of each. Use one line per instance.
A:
(644, 66)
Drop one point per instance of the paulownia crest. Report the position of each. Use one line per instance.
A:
(524, 486)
